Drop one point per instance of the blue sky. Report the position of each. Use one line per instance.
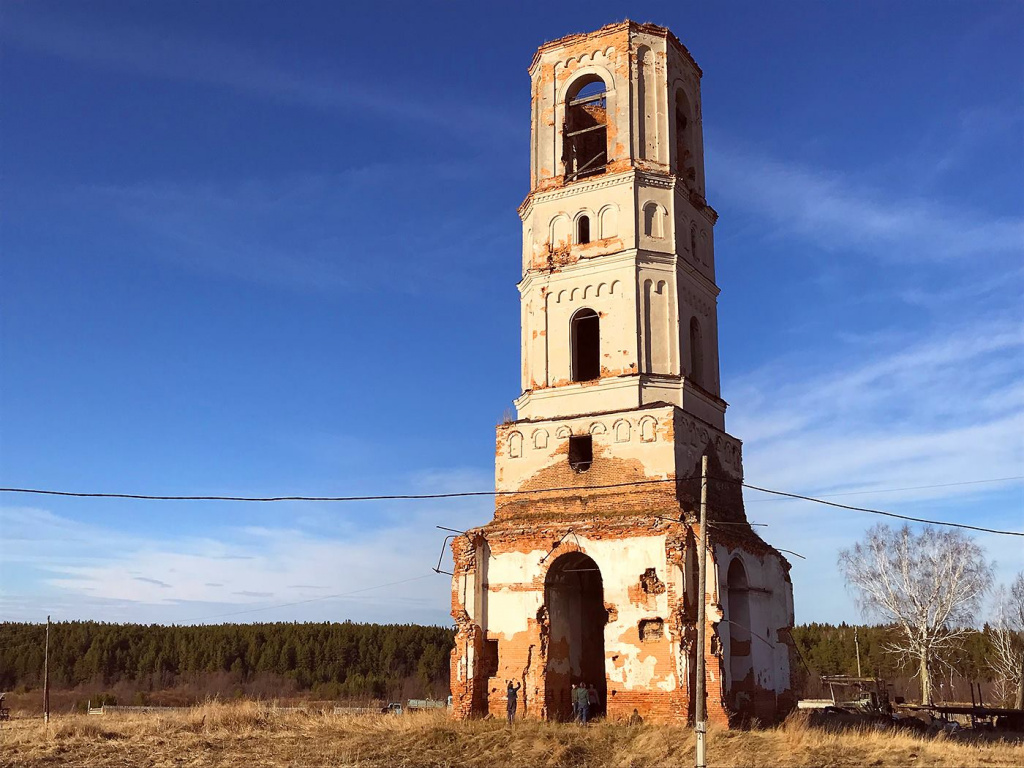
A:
(266, 248)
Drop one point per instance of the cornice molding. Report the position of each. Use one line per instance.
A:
(577, 187)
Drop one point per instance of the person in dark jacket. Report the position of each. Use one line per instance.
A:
(582, 699)
(512, 701)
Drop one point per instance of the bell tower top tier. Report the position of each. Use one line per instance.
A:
(648, 116)
(619, 302)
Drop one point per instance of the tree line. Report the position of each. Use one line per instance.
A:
(366, 660)
(336, 660)
(828, 649)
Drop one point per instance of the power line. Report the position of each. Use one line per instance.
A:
(465, 494)
(911, 488)
(876, 511)
(386, 497)
(452, 495)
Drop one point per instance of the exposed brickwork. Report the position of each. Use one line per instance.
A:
(588, 571)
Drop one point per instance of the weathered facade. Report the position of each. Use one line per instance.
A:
(588, 571)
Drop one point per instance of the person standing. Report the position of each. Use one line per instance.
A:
(574, 699)
(593, 701)
(582, 703)
(512, 701)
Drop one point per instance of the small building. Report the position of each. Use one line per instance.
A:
(588, 571)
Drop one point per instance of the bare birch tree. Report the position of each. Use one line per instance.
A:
(929, 584)
(1008, 643)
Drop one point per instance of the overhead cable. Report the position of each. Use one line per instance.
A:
(532, 491)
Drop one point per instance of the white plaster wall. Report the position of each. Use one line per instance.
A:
(622, 562)
(626, 434)
(509, 606)
(769, 612)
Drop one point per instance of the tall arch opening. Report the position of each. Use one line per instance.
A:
(574, 596)
(583, 230)
(685, 165)
(740, 664)
(585, 131)
(696, 353)
(585, 340)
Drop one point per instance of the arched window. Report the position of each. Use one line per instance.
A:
(684, 134)
(654, 219)
(693, 243)
(585, 340)
(583, 230)
(738, 616)
(696, 353)
(585, 132)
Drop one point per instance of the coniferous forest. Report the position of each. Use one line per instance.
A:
(357, 661)
(330, 660)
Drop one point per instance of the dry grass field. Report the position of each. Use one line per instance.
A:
(255, 734)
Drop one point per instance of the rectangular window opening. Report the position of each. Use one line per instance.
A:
(581, 453)
(489, 658)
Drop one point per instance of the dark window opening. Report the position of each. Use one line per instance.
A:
(684, 152)
(696, 353)
(489, 658)
(581, 453)
(585, 340)
(585, 132)
(693, 244)
(583, 230)
(651, 630)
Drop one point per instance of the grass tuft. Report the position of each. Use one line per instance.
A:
(258, 733)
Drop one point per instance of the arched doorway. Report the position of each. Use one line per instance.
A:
(740, 661)
(574, 595)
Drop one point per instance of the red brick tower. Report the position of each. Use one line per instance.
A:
(588, 572)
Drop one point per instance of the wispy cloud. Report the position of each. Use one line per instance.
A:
(157, 582)
(260, 74)
(918, 411)
(839, 214)
(251, 569)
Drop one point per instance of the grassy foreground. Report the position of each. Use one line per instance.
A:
(254, 734)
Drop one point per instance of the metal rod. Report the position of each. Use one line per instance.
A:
(588, 99)
(752, 632)
(453, 530)
(791, 552)
(585, 130)
(700, 725)
(441, 556)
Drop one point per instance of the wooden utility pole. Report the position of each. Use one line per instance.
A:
(856, 642)
(46, 674)
(700, 725)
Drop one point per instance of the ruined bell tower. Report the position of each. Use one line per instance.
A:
(588, 571)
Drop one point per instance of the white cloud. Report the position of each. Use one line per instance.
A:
(885, 413)
(837, 214)
(248, 571)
